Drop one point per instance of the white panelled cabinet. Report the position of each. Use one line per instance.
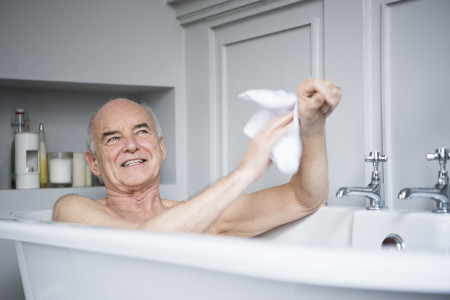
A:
(406, 79)
(233, 46)
(389, 57)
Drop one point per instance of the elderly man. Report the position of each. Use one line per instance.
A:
(129, 152)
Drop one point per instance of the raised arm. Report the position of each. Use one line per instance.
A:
(317, 100)
(307, 190)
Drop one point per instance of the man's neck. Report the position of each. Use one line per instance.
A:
(136, 206)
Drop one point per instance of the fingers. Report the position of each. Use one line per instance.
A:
(314, 104)
(319, 101)
(274, 130)
(327, 88)
(281, 121)
(330, 94)
(257, 157)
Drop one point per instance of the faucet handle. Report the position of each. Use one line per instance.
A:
(375, 157)
(441, 154)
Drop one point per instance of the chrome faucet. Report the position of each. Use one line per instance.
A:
(373, 191)
(441, 191)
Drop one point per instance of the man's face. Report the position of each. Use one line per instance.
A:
(129, 153)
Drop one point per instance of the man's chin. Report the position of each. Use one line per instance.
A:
(136, 181)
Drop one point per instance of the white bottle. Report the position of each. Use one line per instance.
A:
(19, 123)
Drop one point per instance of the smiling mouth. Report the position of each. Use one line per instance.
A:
(133, 162)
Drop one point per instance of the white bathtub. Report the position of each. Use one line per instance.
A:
(324, 256)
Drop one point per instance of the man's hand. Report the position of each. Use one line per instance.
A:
(257, 157)
(317, 98)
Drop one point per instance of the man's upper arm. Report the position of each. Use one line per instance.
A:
(69, 207)
(252, 214)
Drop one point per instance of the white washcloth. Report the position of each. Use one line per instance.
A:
(287, 152)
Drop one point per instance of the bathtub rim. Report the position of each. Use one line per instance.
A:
(249, 256)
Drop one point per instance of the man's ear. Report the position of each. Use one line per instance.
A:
(93, 163)
(162, 146)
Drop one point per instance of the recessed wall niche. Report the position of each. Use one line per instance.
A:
(65, 110)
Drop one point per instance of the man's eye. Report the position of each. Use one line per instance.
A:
(143, 131)
(112, 139)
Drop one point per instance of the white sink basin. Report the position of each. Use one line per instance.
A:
(329, 226)
(420, 231)
(366, 229)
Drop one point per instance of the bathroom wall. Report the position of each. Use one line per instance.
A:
(93, 44)
(61, 60)
(273, 45)
(90, 41)
(415, 48)
(389, 57)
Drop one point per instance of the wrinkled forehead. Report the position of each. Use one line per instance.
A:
(118, 115)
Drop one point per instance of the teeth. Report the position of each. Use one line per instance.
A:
(133, 162)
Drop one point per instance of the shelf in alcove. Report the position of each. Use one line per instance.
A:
(66, 107)
(51, 194)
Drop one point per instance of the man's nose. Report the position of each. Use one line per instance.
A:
(131, 144)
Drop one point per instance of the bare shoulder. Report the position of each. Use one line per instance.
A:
(69, 207)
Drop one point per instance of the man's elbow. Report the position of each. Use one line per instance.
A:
(314, 203)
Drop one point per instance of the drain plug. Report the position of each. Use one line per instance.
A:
(393, 242)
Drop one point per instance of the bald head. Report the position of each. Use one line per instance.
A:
(122, 106)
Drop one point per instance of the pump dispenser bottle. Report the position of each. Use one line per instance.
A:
(19, 123)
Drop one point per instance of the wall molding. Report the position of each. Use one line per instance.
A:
(219, 42)
(193, 11)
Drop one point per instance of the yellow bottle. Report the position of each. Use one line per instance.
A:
(43, 175)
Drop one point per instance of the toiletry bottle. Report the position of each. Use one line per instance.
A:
(43, 175)
(19, 123)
